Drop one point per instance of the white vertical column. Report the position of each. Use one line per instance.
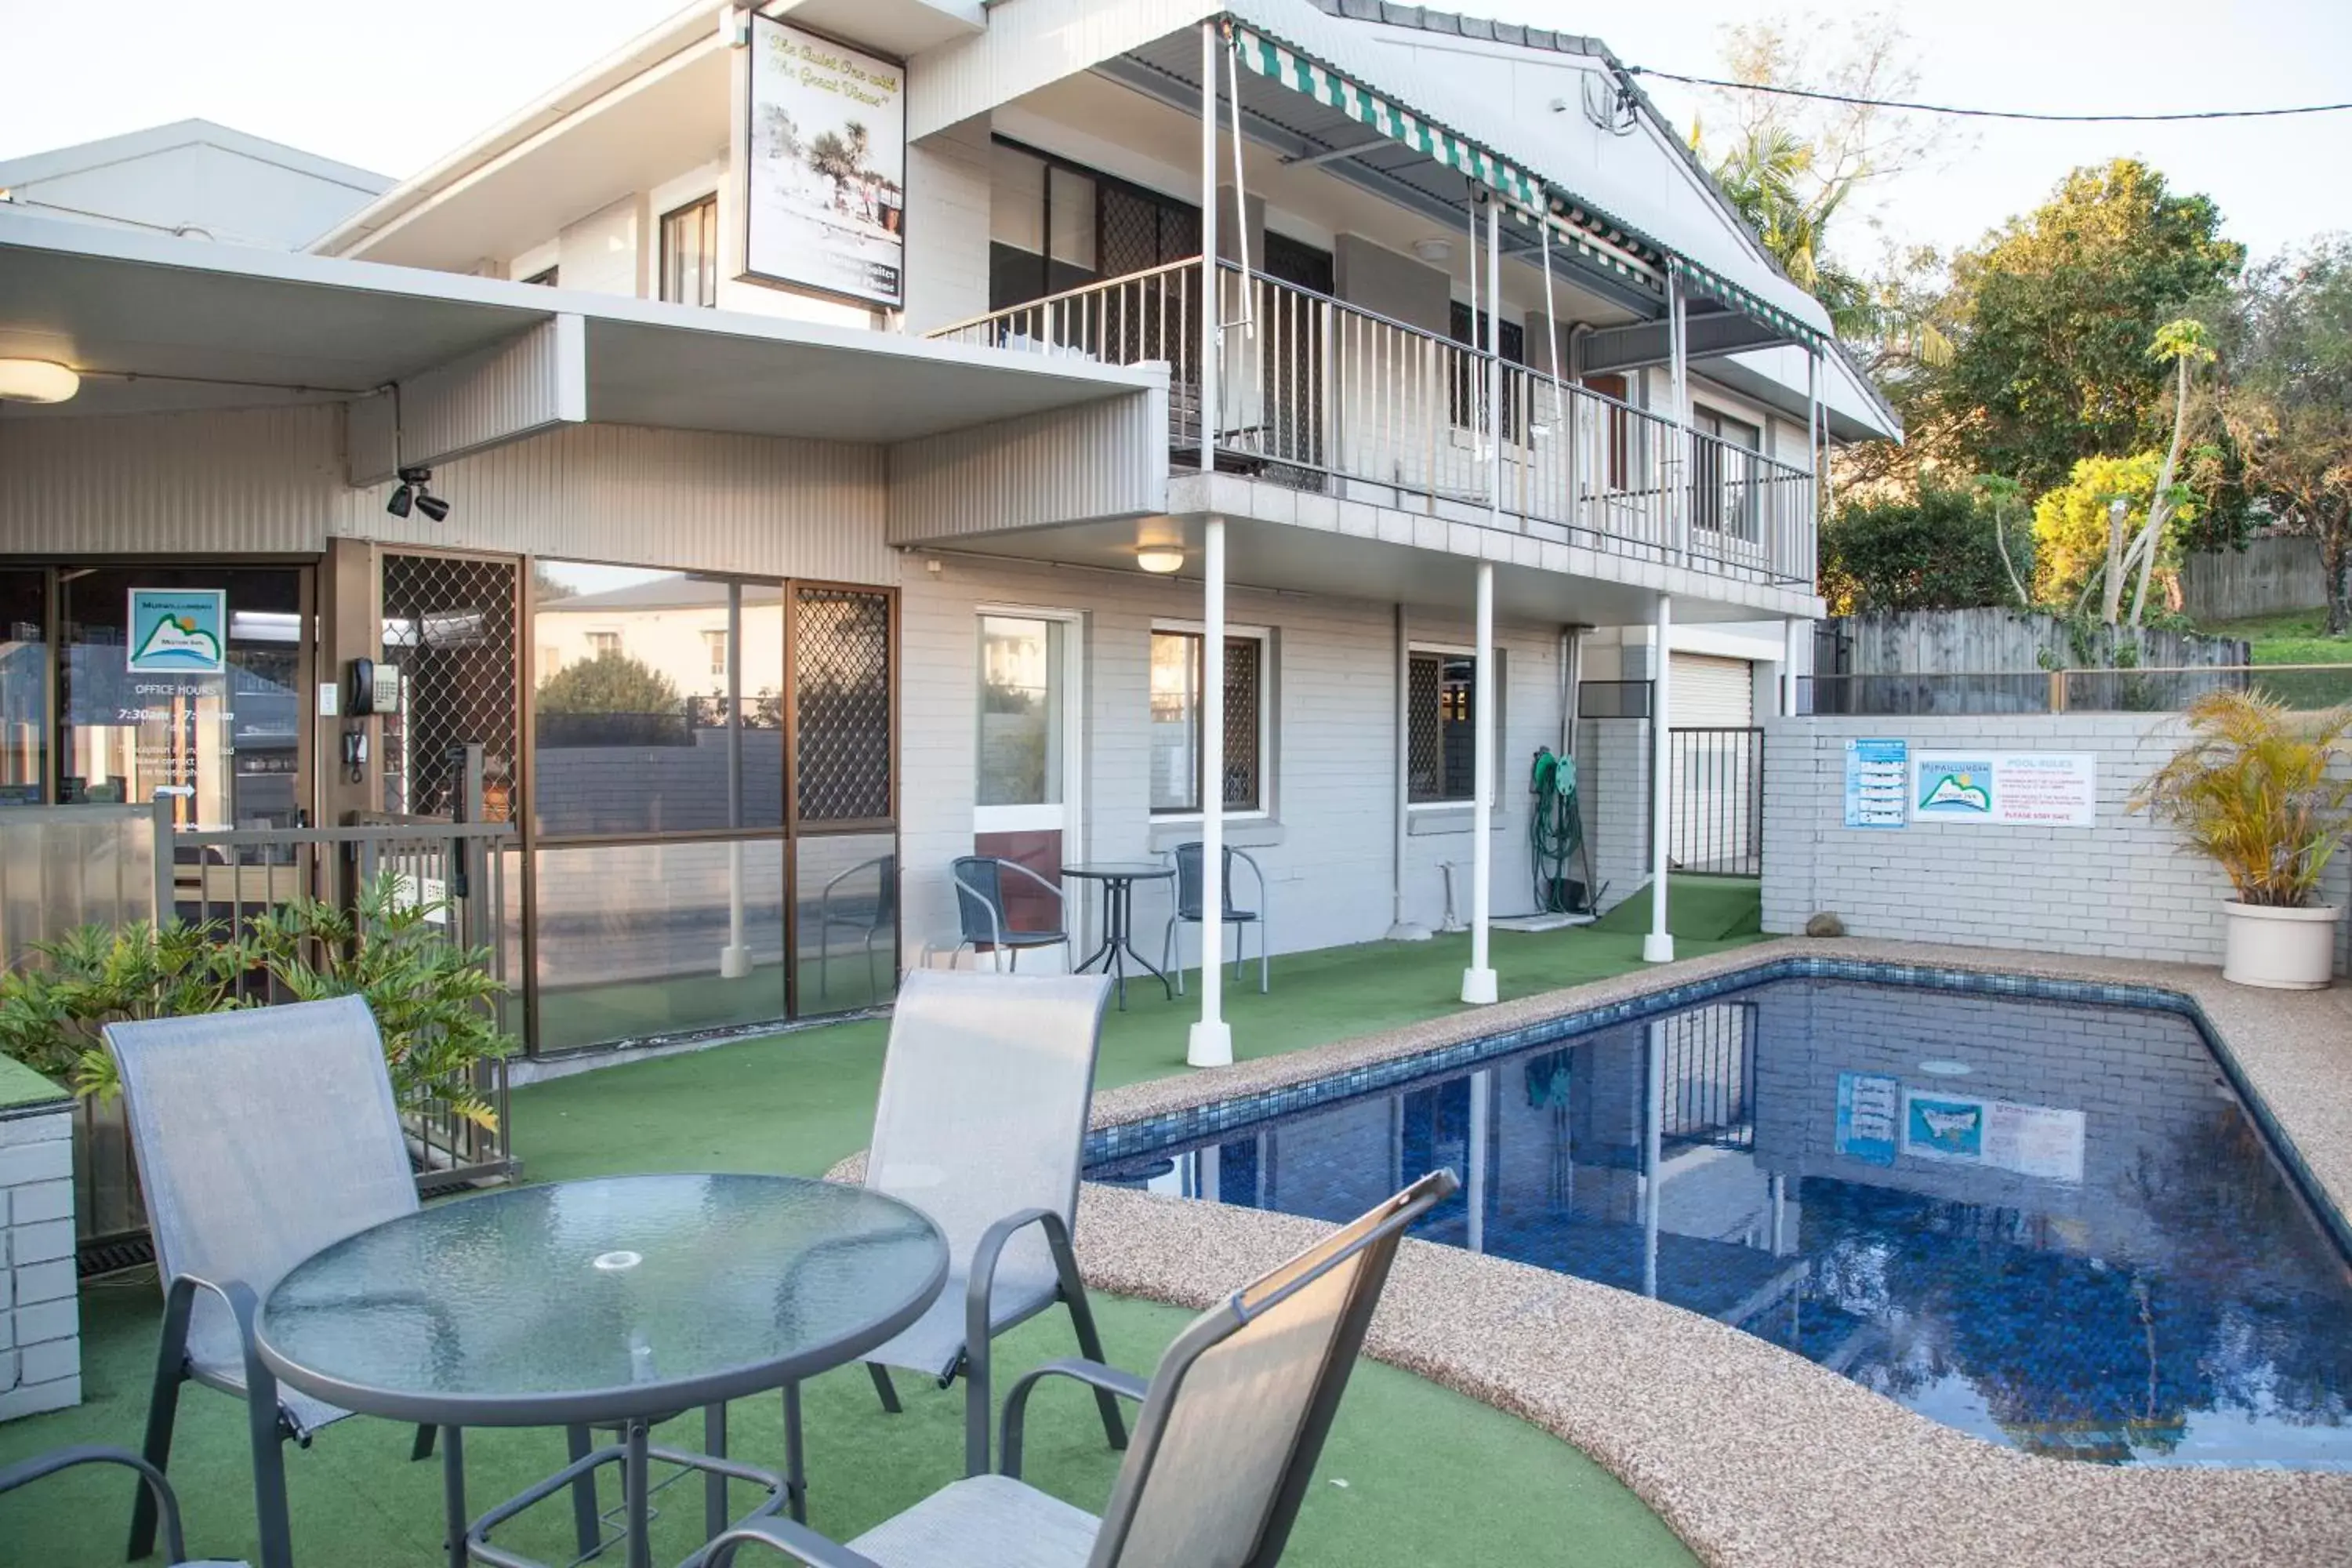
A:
(1658, 945)
(735, 958)
(1792, 635)
(1479, 983)
(1210, 1043)
(1686, 465)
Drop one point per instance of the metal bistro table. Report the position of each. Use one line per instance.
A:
(617, 1301)
(1118, 878)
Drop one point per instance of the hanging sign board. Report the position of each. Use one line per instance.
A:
(825, 167)
(2010, 789)
(178, 631)
(1877, 773)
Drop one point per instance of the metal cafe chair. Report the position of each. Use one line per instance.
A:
(1224, 1448)
(980, 908)
(1187, 911)
(152, 1485)
(982, 1125)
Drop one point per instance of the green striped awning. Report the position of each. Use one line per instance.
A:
(1527, 198)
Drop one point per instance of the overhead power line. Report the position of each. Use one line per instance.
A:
(1992, 113)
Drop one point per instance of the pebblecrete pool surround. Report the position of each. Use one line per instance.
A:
(1753, 1454)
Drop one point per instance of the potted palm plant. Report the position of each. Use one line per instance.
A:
(2266, 793)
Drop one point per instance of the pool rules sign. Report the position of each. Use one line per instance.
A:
(2007, 789)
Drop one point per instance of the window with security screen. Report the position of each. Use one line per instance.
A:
(1441, 722)
(841, 691)
(1177, 749)
(449, 625)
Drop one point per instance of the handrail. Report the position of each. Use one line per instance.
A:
(1320, 387)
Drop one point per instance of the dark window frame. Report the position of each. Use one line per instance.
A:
(1256, 799)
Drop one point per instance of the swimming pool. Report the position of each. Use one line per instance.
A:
(2039, 1214)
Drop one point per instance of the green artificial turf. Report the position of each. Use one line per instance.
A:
(1428, 1476)
(1698, 909)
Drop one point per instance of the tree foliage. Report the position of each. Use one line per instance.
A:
(2287, 400)
(1938, 551)
(2056, 310)
(2074, 528)
(612, 682)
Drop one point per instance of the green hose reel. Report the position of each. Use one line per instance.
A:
(1555, 835)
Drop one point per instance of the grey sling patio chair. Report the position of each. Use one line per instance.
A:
(980, 1125)
(151, 1484)
(261, 1135)
(1232, 1424)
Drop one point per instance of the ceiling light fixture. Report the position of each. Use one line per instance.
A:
(1435, 250)
(36, 381)
(412, 492)
(1160, 560)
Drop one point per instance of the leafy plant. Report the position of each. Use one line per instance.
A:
(612, 682)
(430, 995)
(51, 1013)
(2263, 789)
(432, 999)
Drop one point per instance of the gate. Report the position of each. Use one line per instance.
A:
(1716, 788)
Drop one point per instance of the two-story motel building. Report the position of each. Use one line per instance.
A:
(819, 402)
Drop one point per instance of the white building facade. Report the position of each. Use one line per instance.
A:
(832, 496)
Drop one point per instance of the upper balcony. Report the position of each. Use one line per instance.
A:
(1320, 395)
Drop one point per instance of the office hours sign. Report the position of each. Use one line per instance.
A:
(825, 167)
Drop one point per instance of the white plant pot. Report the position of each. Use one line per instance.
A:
(2288, 950)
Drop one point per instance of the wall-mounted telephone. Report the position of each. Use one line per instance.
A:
(375, 689)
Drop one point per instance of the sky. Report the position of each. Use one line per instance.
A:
(391, 87)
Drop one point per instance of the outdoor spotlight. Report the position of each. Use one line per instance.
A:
(413, 491)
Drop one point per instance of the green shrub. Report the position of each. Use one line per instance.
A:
(433, 998)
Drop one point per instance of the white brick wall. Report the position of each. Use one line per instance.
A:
(2119, 888)
(40, 1328)
(1329, 850)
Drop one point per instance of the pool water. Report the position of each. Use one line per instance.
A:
(2049, 1223)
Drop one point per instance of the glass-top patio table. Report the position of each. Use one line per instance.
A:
(1118, 878)
(615, 1301)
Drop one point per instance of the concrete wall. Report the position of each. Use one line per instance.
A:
(1327, 843)
(2269, 577)
(948, 208)
(40, 1317)
(2119, 888)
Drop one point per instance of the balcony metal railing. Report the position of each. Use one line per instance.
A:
(1322, 394)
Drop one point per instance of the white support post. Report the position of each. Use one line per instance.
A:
(1210, 1043)
(1213, 332)
(1658, 945)
(1493, 359)
(1479, 983)
(1792, 634)
(1685, 460)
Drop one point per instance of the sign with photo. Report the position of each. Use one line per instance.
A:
(2010, 789)
(2038, 1141)
(178, 631)
(825, 167)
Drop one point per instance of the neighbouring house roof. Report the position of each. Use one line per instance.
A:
(666, 593)
(290, 194)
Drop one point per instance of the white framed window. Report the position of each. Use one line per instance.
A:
(714, 643)
(1177, 744)
(1441, 722)
(689, 253)
(600, 643)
